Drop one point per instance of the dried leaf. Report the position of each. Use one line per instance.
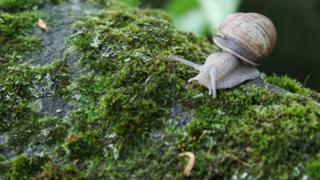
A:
(42, 25)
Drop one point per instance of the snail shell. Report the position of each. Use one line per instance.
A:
(249, 36)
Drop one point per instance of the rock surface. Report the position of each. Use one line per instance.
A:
(97, 97)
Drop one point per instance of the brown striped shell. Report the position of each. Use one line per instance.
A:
(249, 36)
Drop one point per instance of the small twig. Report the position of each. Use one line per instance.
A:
(266, 85)
(147, 80)
(236, 158)
(188, 168)
(306, 80)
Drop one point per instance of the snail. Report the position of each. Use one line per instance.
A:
(246, 39)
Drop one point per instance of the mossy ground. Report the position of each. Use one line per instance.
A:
(133, 111)
(19, 5)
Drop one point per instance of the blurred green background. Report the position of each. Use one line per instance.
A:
(297, 53)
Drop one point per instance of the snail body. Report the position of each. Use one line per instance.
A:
(245, 39)
(220, 71)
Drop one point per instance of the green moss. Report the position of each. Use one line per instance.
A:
(313, 167)
(14, 30)
(99, 3)
(288, 84)
(133, 111)
(19, 5)
(22, 84)
(57, 1)
(131, 95)
(266, 131)
(293, 86)
(134, 79)
(23, 166)
(16, 24)
(22, 127)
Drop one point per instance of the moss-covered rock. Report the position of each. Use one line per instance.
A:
(18, 5)
(130, 110)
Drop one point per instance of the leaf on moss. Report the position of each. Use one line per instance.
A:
(42, 25)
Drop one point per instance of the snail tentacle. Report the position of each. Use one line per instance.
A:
(186, 62)
(212, 87)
